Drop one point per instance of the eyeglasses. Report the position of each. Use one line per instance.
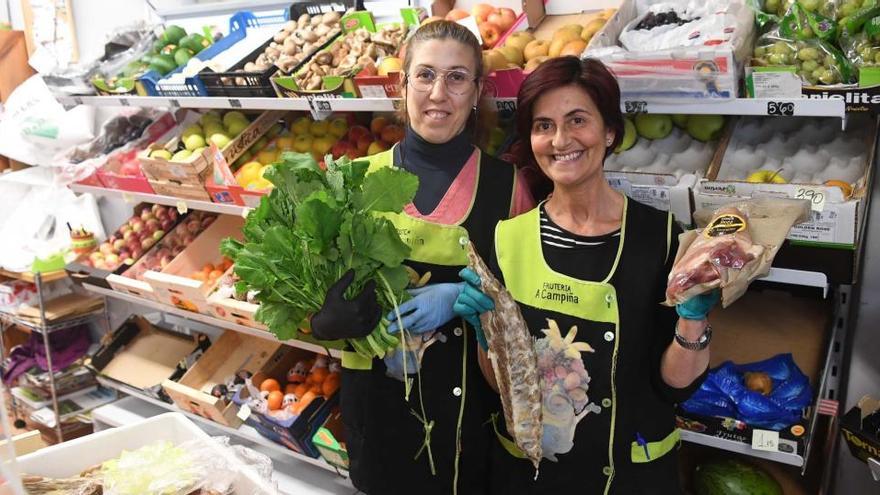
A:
(457, 81)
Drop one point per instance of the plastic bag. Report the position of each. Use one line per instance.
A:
(725, 387)
(803, 23)
(674, 24)
(35, 126)
(816, 61)
(167, 469)
(862, 50)
(854, 15)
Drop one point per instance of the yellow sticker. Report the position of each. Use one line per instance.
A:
(245, 212)
(182, 208)
(797, 430)
(724, 225)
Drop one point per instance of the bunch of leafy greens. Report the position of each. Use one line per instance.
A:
(312, 228)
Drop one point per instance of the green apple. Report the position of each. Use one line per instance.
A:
(181, 156)
(235, 127)
(338, 127)
(653, 125)
(162, 154)
(211, 116)
(198, 151)
(213, 128)
(192, 130)
(193, 141)
(319, 128)
(765, 177)
(232, 116)
(630, 136)
(705, 127)
(219, 139)
(301, 126)
(680, 120)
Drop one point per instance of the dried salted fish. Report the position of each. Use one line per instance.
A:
(514, 361)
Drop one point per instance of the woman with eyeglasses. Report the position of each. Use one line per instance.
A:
(462, 194)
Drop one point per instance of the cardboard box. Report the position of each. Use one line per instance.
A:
(173, 285)
(685, 72)
(542, 20)
(295, 433)
(141, 355)
(195, 170)
(330, 441)
(131, 280)
(863, 443)
(231, 353)
(14, 60)
(662, 191)
(835, 221)
(109, 175)
(239, 312)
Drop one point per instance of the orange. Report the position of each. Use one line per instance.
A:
(274, 400)
(300, 390)
(270, 385)
(290, 388)
(330, 385)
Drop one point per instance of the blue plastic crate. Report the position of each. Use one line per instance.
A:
(192, 86)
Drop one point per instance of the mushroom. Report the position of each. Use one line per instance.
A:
(314, 83)
(289, 26)
(330, 18)
(272, 52)
(250, 67)
(303, 21)
(241, 81)
(323, 58)
(315, 20)
(280, 36)
(310, 36)
(322, 30)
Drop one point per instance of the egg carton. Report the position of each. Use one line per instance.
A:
(677, 155)
(800, 150)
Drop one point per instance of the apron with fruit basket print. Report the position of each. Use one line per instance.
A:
(385, 434)
(577, 325)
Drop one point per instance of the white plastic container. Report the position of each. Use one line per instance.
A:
(70, 458)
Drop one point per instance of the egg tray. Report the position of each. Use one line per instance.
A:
(807, 151)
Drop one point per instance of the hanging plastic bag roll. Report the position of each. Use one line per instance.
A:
(737, 245)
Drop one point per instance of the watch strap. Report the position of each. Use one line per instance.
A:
(698, 345)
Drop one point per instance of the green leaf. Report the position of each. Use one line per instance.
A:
(397, 278)
(387, 189)
(354, 173)
(319, 220)
(230, 248)
(385, 245)
(282, 320)
(254, 269)
(336, 181)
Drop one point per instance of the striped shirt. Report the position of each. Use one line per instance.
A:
(556, 236)
(582, 257)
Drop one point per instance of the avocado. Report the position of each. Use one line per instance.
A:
(182, 56)
(157, 46)
(168, 49)
(173, 34)
(163, 64)
(195, 42)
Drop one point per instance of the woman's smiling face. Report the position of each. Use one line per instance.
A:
(568, 136)
(436, 114)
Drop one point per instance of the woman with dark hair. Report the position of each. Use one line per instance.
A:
(588, 270)
(462, 195)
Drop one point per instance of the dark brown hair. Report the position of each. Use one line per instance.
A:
(482, 119)
(590, 75)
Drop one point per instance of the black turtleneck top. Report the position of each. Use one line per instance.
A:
(436, 165)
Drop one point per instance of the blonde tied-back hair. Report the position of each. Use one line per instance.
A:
(482, 119)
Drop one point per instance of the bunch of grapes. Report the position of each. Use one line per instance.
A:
(825, 8)
(815, 62)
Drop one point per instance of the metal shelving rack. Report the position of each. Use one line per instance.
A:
(44, 328)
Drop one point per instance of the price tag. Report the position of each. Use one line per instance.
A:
(182, 208)
(127, 198)
(397, 104)
(234, 103)
(816, 197)
(505, 105)
(620, 184)
(765, 440)
(124, 102)
(635, 106)
(780, 108)
(320, 108)
(245, 212)
(77, 100)
(173, 103)
(244, 412)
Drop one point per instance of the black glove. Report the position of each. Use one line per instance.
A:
(340, 318)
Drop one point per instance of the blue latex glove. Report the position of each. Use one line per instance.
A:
(471, 303)
(429, 309)
(697, 307)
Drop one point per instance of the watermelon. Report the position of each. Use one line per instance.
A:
(733, 477)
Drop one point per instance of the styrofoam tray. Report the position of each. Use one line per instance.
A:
(70, 458)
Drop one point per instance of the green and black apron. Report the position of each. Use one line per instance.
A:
(615, 317)
(383, 434)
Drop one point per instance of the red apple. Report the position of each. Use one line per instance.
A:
(356, 132)
(490, 32)
(153, 224)
(137, 226)
(173, 213)
(340, 148)
(130, 169)
(207, 221)
(166, 224)
(503, 18)
(481, 12)
(147, 243)
(363, 143)
(95, 256)
(106, 248)
(456, 14)
(193, 226)
(118, 244)
(158, 234)
(392, 133)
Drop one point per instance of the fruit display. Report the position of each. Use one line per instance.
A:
(135, 237)
(816, 61)
(172, 244)
(862, 50)
(212, 127)
(227, 289)
(491, 21)
(678, 24)
(173, 49)
(294, 43)
(802, 151)
(211, 273)
(308, 379)
(360, 141)
(356, 49)
(733, 477)
(669, 144)
(529, 49)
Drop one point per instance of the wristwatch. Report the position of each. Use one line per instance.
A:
(699, 345)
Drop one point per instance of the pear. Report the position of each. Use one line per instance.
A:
(630, 136)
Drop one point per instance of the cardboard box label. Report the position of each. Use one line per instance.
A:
(776, 84)
(658, 197)
(372, 91)
(765, 440)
